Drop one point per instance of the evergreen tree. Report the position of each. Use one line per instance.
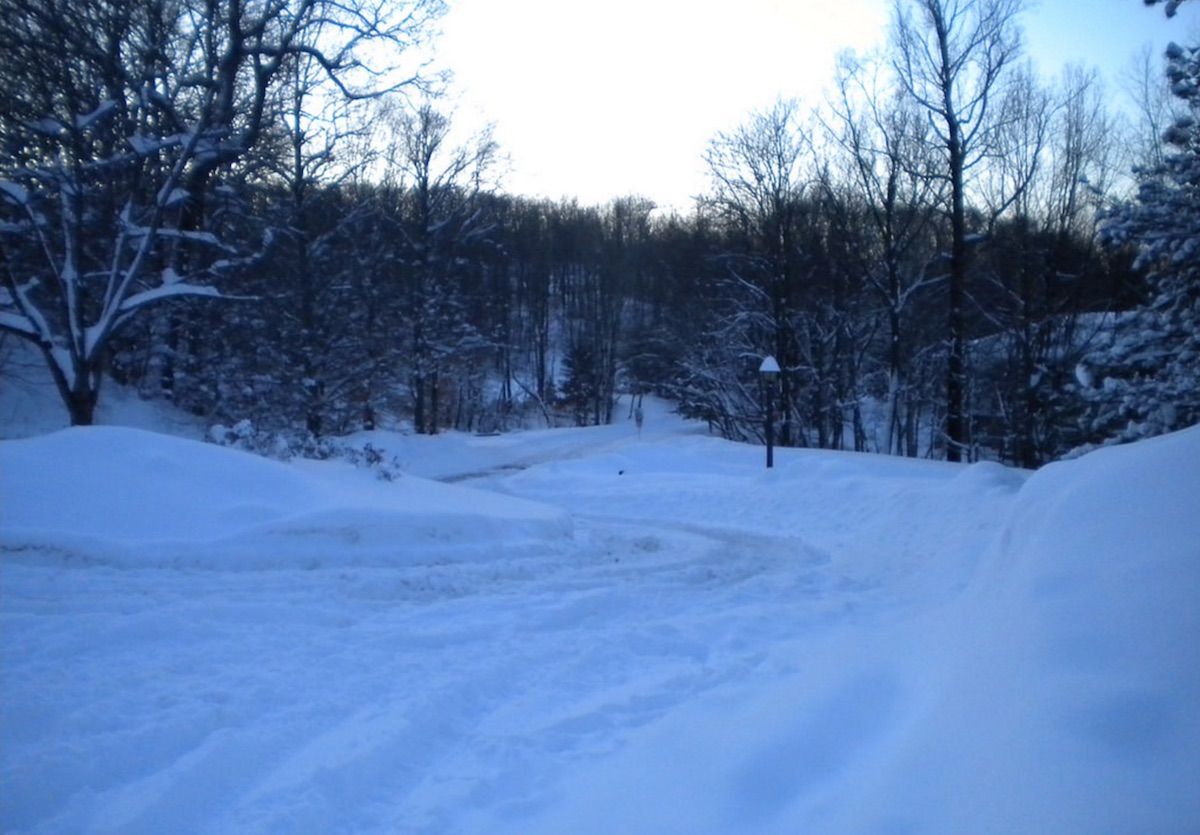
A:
(1146, 378)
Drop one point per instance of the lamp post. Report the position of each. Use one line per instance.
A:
(769, 371)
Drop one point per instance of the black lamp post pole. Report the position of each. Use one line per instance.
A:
(770, 427)
(768, 374)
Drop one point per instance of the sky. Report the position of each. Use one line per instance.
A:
(596, 100)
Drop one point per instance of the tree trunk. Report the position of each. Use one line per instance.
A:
(956, 365)
(418, 387)
(431, 420)
(81, 405)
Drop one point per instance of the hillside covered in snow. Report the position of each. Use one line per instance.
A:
(595, 631)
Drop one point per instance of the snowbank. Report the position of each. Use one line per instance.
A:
(1072, 693)
(136, 498)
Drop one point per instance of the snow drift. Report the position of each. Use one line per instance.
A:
(1067, 693)
(137, 498)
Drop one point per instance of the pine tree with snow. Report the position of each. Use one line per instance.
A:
(1146, 379)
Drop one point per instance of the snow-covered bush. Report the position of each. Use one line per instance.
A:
(285, 446)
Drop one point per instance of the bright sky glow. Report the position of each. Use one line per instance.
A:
(596, 100)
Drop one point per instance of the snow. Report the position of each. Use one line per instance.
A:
(17, 323)
(591, 631)
(30, 405)
(86, 120)
(14, 192)
(188, 505)
(166, 291)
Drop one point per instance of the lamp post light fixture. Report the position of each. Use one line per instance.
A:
(769, 372)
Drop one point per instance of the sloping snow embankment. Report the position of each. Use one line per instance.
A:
(134, 498)
(1071, 700)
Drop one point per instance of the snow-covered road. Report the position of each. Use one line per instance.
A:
(370, 699)
(687, 644)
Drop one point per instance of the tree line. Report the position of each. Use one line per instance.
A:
(227, 206)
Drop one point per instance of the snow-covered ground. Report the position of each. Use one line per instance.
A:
(591, 631)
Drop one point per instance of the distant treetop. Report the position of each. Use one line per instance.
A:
(1172, 6)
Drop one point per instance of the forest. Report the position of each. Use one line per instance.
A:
(264, 212)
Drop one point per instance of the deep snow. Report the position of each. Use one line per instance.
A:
(592, 631)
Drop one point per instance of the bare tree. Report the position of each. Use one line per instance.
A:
(1154, 106)
(889, 165)
(118, 116)
(437, 184)
(1052, 169)
(951, 57)
(757, 185)
(330, 364)
(1017, 150)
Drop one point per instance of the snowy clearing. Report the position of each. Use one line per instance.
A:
(588, 631)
